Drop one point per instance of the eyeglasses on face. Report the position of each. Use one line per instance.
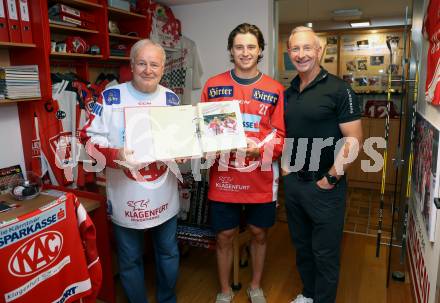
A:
(143, 65)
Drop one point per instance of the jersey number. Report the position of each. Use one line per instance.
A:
(263, 109)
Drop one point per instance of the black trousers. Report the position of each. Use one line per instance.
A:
(316, 219)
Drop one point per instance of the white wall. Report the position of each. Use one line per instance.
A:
(209, 24)
(11, 150)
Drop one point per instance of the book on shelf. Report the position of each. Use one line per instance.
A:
(20, 81)
(171, 132)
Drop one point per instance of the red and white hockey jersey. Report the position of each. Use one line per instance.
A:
(54, 123)
(262, 107)
(50, 255)
(431, 29)
(148, 197)
(165, 28)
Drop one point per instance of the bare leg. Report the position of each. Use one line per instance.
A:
(258, 254)
(224, 257)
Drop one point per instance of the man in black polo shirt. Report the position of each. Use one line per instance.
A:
(321, 109)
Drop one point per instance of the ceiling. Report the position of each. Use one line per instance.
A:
(300, 11)
(380, 12)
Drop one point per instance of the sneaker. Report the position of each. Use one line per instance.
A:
(301, 299)
(224, 298)
(256, 295)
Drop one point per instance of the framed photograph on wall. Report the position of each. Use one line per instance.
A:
(425, 180)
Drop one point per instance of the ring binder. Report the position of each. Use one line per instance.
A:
(165, 133)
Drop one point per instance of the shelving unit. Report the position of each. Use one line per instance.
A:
(121, 14)
(78, 3)
(63, 28)
(74, 55)
(9, 101)
(124, 37)
(119, 58)
(85, 65)
(16, 45)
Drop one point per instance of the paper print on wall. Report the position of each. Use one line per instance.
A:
(425, 181)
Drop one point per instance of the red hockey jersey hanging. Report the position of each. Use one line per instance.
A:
(431, 29)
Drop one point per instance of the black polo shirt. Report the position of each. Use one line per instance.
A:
(315, 113)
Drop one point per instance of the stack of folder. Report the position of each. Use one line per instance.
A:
(17, 82)
(15, 21)
(69, 16)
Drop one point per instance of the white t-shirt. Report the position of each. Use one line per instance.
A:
(183, 70)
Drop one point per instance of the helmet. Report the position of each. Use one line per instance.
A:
(76, 45)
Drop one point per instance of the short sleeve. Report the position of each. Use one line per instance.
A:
(347, 105)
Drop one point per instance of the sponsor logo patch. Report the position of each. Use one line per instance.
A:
(264, 96)
(60, 114)
(220, 91)
(112, 96)
(251, 123)
(97, 109)
(172, 99)
(36, 254)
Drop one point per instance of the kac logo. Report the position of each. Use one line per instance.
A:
(36, 254)
(138, 205)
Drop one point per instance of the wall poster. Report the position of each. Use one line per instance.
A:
(425, 181)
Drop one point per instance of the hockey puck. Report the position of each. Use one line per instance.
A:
(398, 276)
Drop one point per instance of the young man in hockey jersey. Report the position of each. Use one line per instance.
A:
(148, 200)
(252, 189)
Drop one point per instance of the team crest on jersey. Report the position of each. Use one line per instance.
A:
(112, 96)
(264, 96)
(60, 114)
(172, 99)
(97, 109)
(251, 123)
(220, 91)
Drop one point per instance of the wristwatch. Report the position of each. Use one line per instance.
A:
(332, 180)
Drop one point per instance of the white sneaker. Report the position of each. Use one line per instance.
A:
(301, 299)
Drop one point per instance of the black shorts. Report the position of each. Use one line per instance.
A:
(226, 216)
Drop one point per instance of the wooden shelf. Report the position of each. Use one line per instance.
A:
(62, 28)
(116, 12)
(118, 58)
(79, 3)
(124, 37)
(73, 55)
(17, 45)
(9, 101)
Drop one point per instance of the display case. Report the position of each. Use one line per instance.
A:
(368, 59)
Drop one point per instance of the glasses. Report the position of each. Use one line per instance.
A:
(143, 65)
(306, 49)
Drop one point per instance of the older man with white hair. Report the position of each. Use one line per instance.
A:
(149, 199)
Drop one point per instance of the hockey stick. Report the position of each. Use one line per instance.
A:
(385, 153)
(411, 158)
(398, 161)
